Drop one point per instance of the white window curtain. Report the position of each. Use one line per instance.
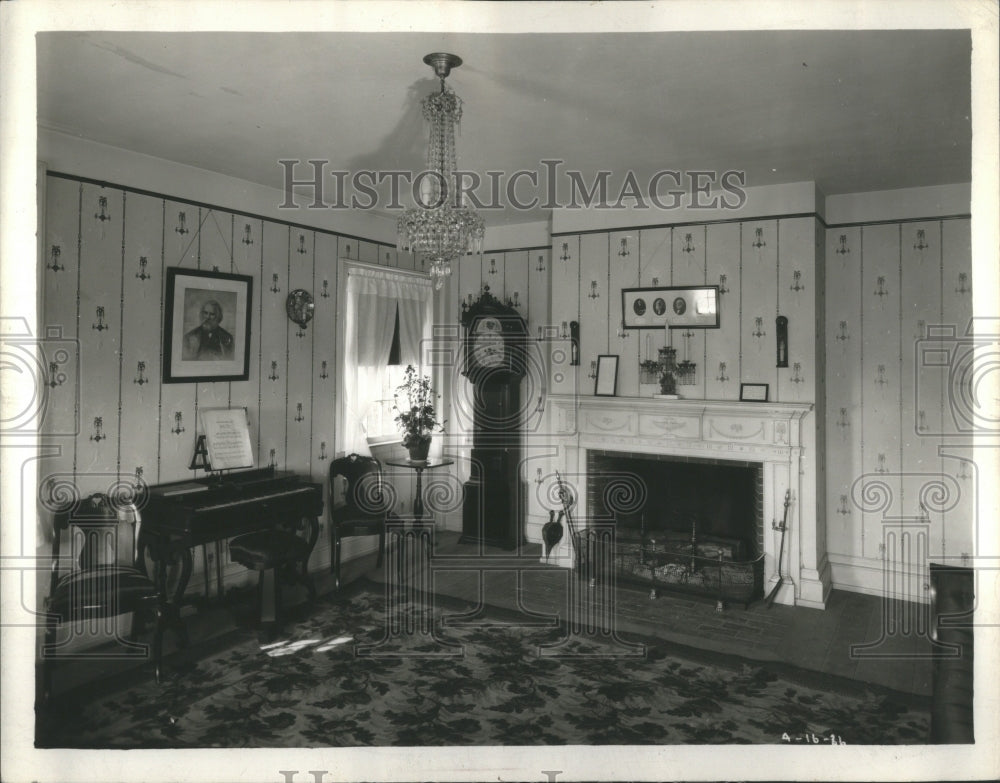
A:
(373, 298)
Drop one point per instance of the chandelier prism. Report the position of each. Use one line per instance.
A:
(441, 228)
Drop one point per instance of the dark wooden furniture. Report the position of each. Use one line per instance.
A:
(105, 584)
(952, 603)
(284, 554)
(186, 514)
(360, 509)
(495, 362)
(414, 527)
(419, 468)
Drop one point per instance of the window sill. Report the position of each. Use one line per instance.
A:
(384, 440)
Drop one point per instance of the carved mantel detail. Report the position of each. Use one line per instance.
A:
(769, 433)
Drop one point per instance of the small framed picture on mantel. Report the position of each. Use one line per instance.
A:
(753, 392)
(606, 382)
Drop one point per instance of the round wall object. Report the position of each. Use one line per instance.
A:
(299, 307)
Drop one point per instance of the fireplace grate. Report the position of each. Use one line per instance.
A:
(704, 568)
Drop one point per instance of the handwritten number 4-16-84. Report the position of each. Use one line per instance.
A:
(813, 739)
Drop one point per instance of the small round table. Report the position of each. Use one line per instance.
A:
(419, 467)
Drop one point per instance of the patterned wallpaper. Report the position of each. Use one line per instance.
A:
(866, 305)
(899, 302)
(859, 299)
(109, 417)
(763, 269)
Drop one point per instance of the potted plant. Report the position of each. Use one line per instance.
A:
(417, 420)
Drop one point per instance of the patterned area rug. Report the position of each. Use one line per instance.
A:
(356, 675)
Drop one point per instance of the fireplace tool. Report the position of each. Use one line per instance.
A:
(552, 532)
(781, 549)
(565, 497)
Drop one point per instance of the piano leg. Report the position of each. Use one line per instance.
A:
(269, 601)
(163, 556)
(220, 589)
(204, 560)
(187, 566)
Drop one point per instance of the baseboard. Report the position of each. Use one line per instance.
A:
(879, 578)
(814, 586)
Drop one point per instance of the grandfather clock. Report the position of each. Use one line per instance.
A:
(494, 361)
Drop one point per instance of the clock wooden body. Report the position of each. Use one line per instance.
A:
(494, 363)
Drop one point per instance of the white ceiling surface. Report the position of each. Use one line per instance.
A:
(853, 111)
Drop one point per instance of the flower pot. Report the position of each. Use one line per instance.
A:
(419, 450)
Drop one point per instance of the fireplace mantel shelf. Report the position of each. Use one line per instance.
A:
(773, 410)
(707, 424)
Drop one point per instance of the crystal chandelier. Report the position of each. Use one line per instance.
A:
(440, 230)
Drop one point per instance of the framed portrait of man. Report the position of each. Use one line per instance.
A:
(206, 330)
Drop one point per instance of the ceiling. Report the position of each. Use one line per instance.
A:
(853, 110)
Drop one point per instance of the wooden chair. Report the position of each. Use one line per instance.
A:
(104, 585)
(364, 507)
(283, 552)
(953, 600)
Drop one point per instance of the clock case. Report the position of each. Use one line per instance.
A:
(493, 509)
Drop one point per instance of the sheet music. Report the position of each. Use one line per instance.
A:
(227, 434)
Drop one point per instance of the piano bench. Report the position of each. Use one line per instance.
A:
(281, 552)
(268, 549)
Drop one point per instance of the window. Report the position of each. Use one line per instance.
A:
(379, 421)
(387, 318)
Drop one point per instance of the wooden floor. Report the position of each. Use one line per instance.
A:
(818, 640)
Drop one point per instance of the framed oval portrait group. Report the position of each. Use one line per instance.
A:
(671, 306)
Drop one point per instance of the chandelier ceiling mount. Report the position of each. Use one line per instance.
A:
(442, 63)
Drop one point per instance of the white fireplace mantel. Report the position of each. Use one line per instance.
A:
(768, 433)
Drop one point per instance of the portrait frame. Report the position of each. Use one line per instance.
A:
(188, 292)
(677, 307)
(606, 380)
(754, 392)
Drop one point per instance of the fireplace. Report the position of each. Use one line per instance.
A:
(756, 451)
(664, 497)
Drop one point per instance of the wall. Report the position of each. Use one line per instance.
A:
(757, 278)
(111, 367)
(901, 480)
(764, 267)
(895, 426)
(890, 415)
(104, 163)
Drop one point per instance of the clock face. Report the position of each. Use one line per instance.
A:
(488, 326)
(488, 348)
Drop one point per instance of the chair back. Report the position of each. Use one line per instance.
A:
(364, 489)
(102, 532)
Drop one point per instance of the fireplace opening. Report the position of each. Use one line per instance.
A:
(667, 498)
